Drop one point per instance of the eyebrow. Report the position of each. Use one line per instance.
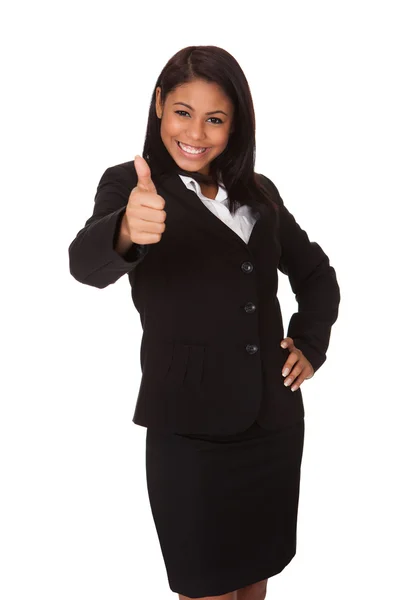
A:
(208, 113)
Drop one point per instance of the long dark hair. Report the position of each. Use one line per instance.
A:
(234, 167)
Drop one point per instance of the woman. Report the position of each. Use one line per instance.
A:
(201, 236)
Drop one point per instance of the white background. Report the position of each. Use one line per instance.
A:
(77, 80)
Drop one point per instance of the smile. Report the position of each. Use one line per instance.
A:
(191, 151)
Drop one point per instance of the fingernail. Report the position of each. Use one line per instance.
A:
(288, 382)
(284, 344)
(285, 372)
(294, 388)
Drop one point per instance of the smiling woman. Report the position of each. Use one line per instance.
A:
(224, 431)
(201, 102)
(193, 137)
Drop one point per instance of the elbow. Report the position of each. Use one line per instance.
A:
(88, 280)
(83, 275)
(92, 279)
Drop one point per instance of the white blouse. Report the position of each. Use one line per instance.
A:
(241, 222)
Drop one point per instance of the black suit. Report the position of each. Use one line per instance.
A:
(210, 354)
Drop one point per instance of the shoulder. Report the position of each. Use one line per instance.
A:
(270, 190)
(270, 186)
(122, 173)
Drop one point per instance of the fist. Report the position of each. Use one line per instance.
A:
(145, 214)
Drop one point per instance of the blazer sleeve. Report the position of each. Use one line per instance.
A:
(92, 256)
(314, 283)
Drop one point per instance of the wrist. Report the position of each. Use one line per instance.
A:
(124, 241)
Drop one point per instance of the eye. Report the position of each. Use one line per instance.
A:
(185, 111)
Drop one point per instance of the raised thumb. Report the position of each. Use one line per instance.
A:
(145, 182)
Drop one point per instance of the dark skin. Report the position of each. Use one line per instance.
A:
(184, 118)
(296, 368)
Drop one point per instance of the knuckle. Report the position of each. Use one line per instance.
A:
(135, 196)
(161, 215)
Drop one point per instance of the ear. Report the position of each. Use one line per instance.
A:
(159, 108)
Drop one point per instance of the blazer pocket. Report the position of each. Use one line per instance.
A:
(186, 364)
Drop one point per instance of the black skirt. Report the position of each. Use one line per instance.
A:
(224, 507)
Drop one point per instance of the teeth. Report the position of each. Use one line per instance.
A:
(191, 150)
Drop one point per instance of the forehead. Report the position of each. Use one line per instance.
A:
(201, 95)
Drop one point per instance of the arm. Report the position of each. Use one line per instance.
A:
(314, 284)
(101, 251)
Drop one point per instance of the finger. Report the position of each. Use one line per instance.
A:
(145, 182)
(289, 363)
(297, 370)
(297, 384)
(152, 212)
(287, 342)
(300, 379)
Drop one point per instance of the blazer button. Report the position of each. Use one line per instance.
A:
(249, 307)
(247, 267)
(251, 348)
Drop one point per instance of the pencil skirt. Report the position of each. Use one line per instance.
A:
(224, 507)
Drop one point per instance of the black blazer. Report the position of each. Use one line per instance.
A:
(210, 352)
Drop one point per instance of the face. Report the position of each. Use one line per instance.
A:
(198, 115)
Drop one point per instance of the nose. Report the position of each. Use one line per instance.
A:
(195, 130)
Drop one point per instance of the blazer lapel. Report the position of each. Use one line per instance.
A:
(190, 202)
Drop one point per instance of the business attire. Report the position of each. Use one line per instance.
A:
(224, 436)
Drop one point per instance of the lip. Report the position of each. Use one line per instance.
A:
(192, 156)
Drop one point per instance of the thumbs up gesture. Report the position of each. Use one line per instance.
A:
(145, 214)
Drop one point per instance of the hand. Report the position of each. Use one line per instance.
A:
(144, 214)
(302, 368)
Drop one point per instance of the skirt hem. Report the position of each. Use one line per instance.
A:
(241, 583)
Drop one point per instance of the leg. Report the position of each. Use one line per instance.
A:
(255, 591)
